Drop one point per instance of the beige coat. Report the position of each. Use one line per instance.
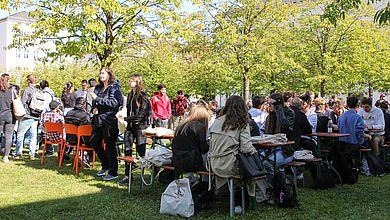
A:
(224, 146)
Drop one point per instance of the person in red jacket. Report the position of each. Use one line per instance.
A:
(161, 107)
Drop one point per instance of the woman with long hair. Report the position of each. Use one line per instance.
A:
(107, 99)
(7, 118)
(230, 133)
(68, 97)
(190, 141)
(137, 112)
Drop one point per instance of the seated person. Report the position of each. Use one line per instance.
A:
(53, 115)
(373, 119)
(352, 123)
(301, 127)
(190, 144)
(322, 118)
(280, 120)
(385, 106)
(78, 116)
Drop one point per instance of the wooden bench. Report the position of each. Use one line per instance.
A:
(230, 186)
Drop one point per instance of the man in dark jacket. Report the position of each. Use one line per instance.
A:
(385, 106)
(301, 124)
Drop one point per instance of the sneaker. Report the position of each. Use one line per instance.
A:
(109, 177)
(31, 157)
(102, 172)
(237, 210)
(5, 159)
(17, 157)
(124, 181)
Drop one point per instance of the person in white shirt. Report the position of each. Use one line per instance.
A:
(373, 118)
(83, 91)
(310, 114)
(258, 112)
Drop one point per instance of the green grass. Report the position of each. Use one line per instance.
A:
(31, 191)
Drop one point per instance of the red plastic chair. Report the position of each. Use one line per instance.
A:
(52, 127)
(83, 131)
(69, 130)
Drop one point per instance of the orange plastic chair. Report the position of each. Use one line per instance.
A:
(52, 127)
(83, 131)
(69, 130)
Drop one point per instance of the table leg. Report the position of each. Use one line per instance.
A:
(319, 147)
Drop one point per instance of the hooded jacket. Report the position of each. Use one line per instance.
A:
(107, 102)
(161, 106)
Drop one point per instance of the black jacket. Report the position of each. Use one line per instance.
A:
(77, 116)
(322, 122)
(301, 126)
(286, 117)
(387, 125)
(188, 147)
(107, 102)
(137, 114)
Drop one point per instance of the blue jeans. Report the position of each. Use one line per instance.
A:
(24, 126)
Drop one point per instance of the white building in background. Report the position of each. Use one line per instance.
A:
(13, 59)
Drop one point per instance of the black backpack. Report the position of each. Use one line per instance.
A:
(325, 176)
(284, 191)
(376, 165)
(201, 196)
(345, 159)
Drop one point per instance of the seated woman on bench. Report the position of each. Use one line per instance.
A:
(190, 144)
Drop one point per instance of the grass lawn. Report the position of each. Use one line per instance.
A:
(31, 191)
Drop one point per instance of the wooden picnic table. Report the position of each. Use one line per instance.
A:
(274, 146)
(373, 130)
(327, 135)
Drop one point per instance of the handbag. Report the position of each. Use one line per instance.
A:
(177, 199)
(250, 165)
(17, 106)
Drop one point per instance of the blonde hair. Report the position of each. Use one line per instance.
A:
(319, 103)
(197, 113)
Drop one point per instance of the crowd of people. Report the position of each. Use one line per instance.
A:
(203, 130)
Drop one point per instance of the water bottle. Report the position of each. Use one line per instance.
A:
(330, 127)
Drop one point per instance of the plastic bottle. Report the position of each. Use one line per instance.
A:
(330, 127)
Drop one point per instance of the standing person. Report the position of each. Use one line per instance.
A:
(83, 91)
(381, 99)
(179, 104)
(92, 84)
(68, 97)
(107, 99)
(373, 119)
(7, 118)
(30, 120)
(137, 105)
(161, 107)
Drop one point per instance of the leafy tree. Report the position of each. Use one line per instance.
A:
(240, 32)
(340, 8)
(102, 28)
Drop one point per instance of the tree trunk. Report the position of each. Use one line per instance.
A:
(322, 88)
(245, 87)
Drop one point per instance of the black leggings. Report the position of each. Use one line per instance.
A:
(131, 135)
(108, 157)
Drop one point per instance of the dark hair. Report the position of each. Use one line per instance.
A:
(258, 101)
(4, 83)
(67, 90)
(92, 82)
(139, 87)
(236, 113)
(306, 98)
(384, 104)
(160, 86)
(110, 73)
(43, 84)
(286, 96)
(366, 101)
(180, 92)
(84, 81)
(81, 103)
(352, 102)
